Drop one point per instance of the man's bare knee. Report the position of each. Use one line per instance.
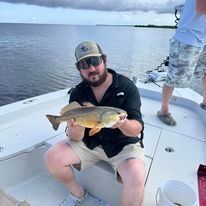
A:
(60, 155)
(53, 157)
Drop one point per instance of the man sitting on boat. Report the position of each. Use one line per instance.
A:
(118, 145)
(187, 55)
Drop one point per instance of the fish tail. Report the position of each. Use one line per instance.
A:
(53, 121)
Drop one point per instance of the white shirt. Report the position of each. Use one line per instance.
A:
(192, 26)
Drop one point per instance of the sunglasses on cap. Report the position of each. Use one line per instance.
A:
(85, 63)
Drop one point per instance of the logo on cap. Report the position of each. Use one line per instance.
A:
(84, 48)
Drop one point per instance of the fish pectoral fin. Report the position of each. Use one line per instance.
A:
(70, 106)
(88, 104)
(94, 130)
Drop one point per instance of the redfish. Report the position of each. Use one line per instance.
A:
(88, 116)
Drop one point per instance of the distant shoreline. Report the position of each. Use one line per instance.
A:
(157, 26)
(144, 26)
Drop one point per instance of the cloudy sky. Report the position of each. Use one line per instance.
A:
(160, 12)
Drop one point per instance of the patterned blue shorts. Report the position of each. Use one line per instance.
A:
(185, 61)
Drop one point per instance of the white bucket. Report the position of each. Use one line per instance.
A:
(175, 193)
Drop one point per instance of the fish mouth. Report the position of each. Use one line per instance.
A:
(122, 116)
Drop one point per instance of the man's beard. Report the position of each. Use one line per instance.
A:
(101, 80)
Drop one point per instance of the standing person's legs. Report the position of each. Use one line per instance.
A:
(182, 63)
(164, 114)
(200, 71)
(166, 96)
(203, 104)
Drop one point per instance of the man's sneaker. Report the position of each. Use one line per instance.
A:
(88, 199)
(72, 200)
(94, 201)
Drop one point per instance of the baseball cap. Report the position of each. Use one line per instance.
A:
(87, 49)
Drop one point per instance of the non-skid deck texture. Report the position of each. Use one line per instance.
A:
(187, 139)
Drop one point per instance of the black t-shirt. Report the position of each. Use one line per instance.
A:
(123, 94)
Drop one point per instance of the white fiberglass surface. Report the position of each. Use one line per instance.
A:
(189, 122)
(177, 157)
(25, 176)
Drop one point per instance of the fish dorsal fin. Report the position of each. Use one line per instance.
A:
(88, 104)
(70, 106)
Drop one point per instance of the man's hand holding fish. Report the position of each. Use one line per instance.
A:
(122, 119)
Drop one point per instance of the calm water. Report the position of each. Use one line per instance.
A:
(37, 59)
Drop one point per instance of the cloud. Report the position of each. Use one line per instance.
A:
(160, 6)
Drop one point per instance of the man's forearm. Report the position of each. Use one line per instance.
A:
(131, 128)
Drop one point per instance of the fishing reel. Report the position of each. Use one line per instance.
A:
(158, 74)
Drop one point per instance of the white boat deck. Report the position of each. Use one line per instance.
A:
(25, 134)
